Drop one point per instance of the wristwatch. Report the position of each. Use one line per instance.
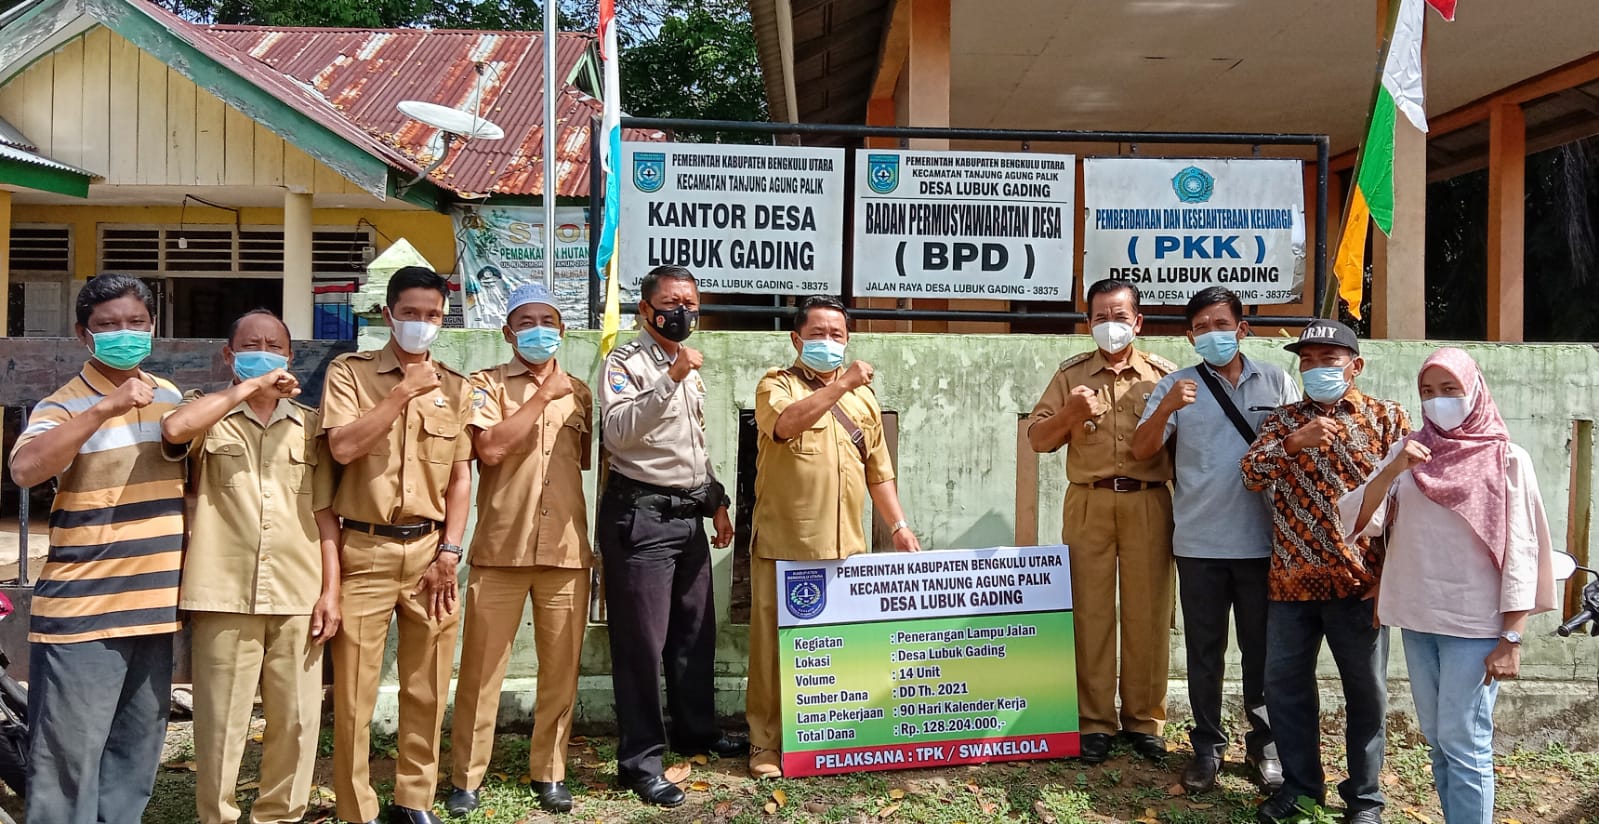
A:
(1511, 636)
(453, 549)
(897, 526)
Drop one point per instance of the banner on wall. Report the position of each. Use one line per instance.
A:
(502, 247)
(963, 224)
(743, 219)
(1174, 227)
(897, 661)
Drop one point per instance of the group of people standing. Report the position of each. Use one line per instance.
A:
(1300, 519)
(313, 527)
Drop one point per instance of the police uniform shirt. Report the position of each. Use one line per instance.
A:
(402, 478)
(810, 491)
(530, 505)
(1103, 447)
(654, 427)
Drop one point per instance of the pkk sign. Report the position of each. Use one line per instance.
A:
(1174, 227)
(743, 219)
(895, 661)
(963, 224)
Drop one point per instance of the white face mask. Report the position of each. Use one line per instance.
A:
(1447, 413)
(415, 336)
(1113, 336)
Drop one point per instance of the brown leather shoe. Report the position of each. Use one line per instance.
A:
(765, 763)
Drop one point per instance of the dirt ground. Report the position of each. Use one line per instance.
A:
(1549, 786)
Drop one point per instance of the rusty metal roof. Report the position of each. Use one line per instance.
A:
(351, 79)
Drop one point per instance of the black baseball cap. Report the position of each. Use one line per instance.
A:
(1329, 332)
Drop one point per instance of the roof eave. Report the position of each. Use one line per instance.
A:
(43, 178)
(774, 41)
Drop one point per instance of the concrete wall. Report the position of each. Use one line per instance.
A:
(959, 399)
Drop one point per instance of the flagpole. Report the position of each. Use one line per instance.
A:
(551, 18)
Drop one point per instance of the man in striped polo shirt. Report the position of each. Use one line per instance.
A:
(106, 605)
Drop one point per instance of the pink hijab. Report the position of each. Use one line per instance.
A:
(1468, 466)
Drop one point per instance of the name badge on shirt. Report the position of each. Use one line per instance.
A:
(439, 402)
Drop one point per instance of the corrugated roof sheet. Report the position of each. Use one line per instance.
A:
(356, 76)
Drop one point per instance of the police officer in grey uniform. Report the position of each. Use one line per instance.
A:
(652, 540)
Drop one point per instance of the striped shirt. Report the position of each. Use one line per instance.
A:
(116, 525)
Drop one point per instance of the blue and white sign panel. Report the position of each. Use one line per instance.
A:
(963, 224)
(743, 219)
(1176, 226)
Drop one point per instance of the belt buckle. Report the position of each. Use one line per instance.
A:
(1116, 484)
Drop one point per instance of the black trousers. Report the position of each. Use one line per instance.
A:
(1212, 590)
(661, 612)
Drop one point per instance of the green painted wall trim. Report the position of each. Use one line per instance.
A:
(43, 178)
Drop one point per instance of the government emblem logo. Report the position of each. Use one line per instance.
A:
(1193, 185)
(882, 173)
(805, 592)
(649, 171)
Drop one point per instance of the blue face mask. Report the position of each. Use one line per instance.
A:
(1325, 384)
(823, 355)
(253, 364)
(121, 349)
(1217, 348)
(538, 343)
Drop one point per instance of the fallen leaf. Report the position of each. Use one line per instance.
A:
(1543, 809)
(1509, 821)
(888, 811)
(1176, 789)
(700, 759)
(179, 765)
(678, 773)
(489, 812)
(896, 794)
(816, 807)
(1552, 780)
(1198, 805)
(525, 779)
(577, 739)
(973, 788)
(500, 777)
(780, 797)
(989, 807)
(722, 808)
(256, 785)
(770, 807)
(1418, 815)
(1389, 779)
(1043, 812)
(700, 786)
(256, 738)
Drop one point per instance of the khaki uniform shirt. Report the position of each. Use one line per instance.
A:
(253, 541)
(1103, 447)
(402, 479)
(530, 509)
(810, 491)
(654, 426)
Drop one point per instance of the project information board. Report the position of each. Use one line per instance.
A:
(896, 661)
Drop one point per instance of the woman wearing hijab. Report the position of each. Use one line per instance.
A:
(1469, 559)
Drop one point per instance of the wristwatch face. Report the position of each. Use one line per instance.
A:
(1512, 636)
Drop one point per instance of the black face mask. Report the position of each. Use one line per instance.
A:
(675, 324)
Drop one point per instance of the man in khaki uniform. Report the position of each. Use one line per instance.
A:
(396, 419)
(530, 424)
(261, 577)
(1117, 522)
(811, 483)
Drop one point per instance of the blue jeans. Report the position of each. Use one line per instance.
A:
(1456, 712)
(1294, 634)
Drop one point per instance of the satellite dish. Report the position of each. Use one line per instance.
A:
(454, 121)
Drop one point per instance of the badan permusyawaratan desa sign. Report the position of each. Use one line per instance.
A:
(963, 224)
(743, 219)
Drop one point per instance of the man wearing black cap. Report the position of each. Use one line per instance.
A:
(1321, 585)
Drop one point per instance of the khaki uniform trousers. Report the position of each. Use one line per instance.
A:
(494, 600)
(763, 694)
(378, 576)
(1120, 542)
(233, 654)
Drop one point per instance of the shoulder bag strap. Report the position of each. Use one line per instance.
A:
(1226, 403)
(856, 436)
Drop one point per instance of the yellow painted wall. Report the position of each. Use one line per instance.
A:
(430, 232)
(103, 105)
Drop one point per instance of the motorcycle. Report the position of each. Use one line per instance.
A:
(1565, 567)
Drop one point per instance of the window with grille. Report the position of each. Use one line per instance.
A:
(223, 250)
(41, 248)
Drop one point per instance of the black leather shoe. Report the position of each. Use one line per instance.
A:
(1152, 747)
(1370, 815)
(406, 815)
(461, 803)
(553, 796)
(1200, 774)
(1280, 808)
(657, 790)
(725, 747)
(1094, 747)
(1268, 770)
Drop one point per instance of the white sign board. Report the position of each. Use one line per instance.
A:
(1173, 227)
(963, 224)
(743, 219)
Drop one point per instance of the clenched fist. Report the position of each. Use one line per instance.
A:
(558, 385)
(1183, 393)
(1320, 432)
(132, 394)
(1084, 403)
(859, 373)
(420, 379)
(687, 361)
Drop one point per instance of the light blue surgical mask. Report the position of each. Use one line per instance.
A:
(121, 349)
(1325, 384)
(824, 355)
(253, 364)
(538, 343)
(1217, 348)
